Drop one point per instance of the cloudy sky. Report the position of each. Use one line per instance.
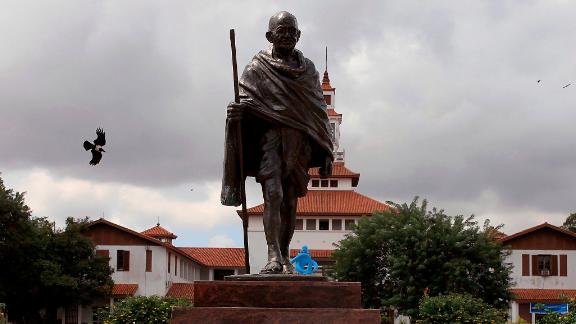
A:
(440, 100)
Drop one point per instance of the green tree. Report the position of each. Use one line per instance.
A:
(458, 308)
(141, 309)
(400, 253)
(570, 223)
(43, 268)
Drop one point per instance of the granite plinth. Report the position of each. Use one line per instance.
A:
(277, 294)
(210, 315)
(274, 277)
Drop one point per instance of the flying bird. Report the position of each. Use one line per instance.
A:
(566, 86)
(538, 81)
(96, 148)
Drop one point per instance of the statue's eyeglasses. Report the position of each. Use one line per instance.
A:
(286, 30)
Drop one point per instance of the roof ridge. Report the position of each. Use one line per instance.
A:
(537, 227)
(143, 236)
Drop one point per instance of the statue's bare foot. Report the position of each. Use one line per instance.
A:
(272, 267)
(288, 268)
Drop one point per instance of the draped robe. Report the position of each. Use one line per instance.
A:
(274, 94)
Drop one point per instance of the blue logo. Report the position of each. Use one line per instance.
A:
(303, 262)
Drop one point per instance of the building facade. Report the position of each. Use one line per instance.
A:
(543, 271)
(148, 264)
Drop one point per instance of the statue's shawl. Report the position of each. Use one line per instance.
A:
(278, 94)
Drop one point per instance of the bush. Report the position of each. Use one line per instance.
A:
(458, 308)
(554, 318)
(141, 309)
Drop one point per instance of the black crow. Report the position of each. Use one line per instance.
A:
(538, 81)
(96, 148)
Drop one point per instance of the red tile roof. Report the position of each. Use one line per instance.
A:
(102, 221)
(217, 257)
(535, 228)
(181, 290)
(326, 82)
(326, 254)
(543, 295)
(332, 112)
(332, 203)
(124, 290)
(159, 231)
(338, 171)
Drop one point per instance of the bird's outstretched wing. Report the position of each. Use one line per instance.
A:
(101, 139)
(96, 156)
(87, 145)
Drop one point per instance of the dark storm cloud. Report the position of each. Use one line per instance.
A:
(439, 99)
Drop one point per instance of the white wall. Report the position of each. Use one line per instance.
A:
(315, 239)
(149, 283)
(539, 282)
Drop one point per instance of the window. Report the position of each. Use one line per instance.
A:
(324, 183)
(310, 224)
(328, 99)
(122, 260)
(175, 265)
(148, 260)
(324, 224)
(349, 224)
(333, 183)
(315, 183)
(336, 224)
(333, 131)
(299, 224)
(544, 265)
(169, 257)
(71, 314)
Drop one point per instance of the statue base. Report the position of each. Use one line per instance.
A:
(274, 277)
(275, 301)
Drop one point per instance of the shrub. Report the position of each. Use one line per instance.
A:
(141, 309)
(458, 308)
(554, 318)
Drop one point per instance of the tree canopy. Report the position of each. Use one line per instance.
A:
(570, 223)
(44, 267)
(399, 254)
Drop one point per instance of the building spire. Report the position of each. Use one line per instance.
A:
(326, 69)
(158, 224)
(326, 79)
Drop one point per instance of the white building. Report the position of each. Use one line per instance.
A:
(543, 270)
(327, 213)
(147, 264)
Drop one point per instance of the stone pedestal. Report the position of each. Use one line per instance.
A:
(276, 302)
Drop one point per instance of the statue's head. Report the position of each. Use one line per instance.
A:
(283, 31)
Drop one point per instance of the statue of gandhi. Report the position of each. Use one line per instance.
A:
(285, 131)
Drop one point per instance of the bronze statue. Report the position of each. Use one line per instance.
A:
(285, 131)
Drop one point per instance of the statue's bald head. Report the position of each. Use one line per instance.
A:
(283, 33)
(282, 17)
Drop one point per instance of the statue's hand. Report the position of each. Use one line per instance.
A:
(326, 170)
(235, 111)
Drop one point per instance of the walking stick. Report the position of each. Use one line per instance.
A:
(240, 154)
